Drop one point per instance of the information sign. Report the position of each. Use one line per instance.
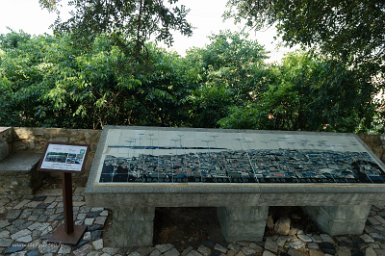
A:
(64, 157)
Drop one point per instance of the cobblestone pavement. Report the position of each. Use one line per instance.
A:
(25, 222)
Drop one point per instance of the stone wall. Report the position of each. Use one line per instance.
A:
(5, 142)
(36, 140)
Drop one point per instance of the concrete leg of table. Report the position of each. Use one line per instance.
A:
(243, 223)
(340, 220)
(132, 226)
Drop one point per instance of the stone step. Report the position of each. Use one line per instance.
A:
(19, 162)
(18, 174)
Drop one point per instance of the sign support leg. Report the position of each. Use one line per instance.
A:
(67, 203)
(67, 233)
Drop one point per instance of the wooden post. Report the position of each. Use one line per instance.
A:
(67, 203)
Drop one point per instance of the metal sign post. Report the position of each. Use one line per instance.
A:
(67, 159)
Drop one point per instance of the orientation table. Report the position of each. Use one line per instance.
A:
(334, 176)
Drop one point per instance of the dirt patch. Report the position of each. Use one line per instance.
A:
(187, 226)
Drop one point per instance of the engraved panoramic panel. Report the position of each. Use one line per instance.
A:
(215, 156)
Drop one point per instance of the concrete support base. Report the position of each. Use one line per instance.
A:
(339, 220)
(132, 227)
(243, 223)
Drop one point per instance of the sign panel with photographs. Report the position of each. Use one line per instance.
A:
(63, 157)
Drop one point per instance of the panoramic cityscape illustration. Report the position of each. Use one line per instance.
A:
(216, 157)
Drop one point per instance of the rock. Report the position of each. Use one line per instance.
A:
(95, 235)
(4, 234)
(258, 248)
(104, 213)
(293, 231)
(21, 233)
(193, 253)
(317, 239)
(110, 250)
(24, 239)
(220, 248)
(4, 223)
(295, 243)
(45, 247)
(313, 246)
(248, 251)
(135, 253)
(327, 247)
(155, 252)
(370, 252)
(282, 226)
(326, 238)
(271, 245)
(64, 249)
(313, 252)
(33, 253)
(89, 221)
(231, 252)
(380, 252)
(98, 244)
(145, 250)
(233, 247)
(270, 222)
(94, 227)
(240, 253)
(305, 238)
(205, 251)
(94, 253)
(14, 248)
(187, 250)
(281, 241)
(374, 246)
(343, 251)
(294, 252)
(377, 236)
(100, 220)
(172, 252)
(84, 250)
(21, 204)
(5, 242)
(87, 236)
(13, 214)
(268, 253)
(164, 247)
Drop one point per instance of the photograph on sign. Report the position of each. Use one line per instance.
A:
(63, 157)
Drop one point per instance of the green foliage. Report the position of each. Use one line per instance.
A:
(48, 81)
(309, 93)
(230, 70)
(137, 20)
(348, 30)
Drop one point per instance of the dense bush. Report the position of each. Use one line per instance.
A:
(48, 81)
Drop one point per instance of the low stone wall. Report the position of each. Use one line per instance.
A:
(36, 140)
(5, 142)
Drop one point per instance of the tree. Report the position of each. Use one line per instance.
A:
(308, 93)
(230, 70)
(138, 20)
(350, 30)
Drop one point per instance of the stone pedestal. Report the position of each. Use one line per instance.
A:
(243, 223)
(132, 227)
(340, 220)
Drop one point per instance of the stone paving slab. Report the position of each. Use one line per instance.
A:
(26, 222)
